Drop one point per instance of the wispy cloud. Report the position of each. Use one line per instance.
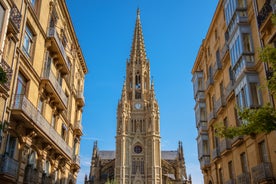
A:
(87, 138)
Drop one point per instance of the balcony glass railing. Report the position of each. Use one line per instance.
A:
(8, 166)
(48, 74)
(23, 104)
(52, 33)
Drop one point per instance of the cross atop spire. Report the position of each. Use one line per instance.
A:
(138, 51)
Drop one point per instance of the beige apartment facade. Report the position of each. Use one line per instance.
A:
(42, 101)
(227, 74)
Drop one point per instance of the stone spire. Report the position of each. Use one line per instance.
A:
(138, 51)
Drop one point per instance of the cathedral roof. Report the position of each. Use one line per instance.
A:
(110, 155)
(169, 155)
(107, 155)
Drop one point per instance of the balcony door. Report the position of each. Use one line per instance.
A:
(20, 90)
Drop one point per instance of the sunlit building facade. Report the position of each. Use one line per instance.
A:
(227, 74)
(42, 100)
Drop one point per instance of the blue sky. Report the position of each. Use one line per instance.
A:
(173, 31)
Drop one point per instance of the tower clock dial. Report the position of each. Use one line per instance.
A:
(137, 106)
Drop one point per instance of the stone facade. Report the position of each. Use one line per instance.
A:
(228, 73)
(41, 102)
(138, 157)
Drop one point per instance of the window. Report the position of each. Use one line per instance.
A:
(20, 90)
(53, 120)
(263, 152)
(205, 147)
(47, 167)
(200, 84)
(28, 41)
(32, 159)
(247, 45)
(203, 114)
(137, 81)
(34, 5)
(220, 176)
(255, 97)
(137, 149)
(2, 15)
(63, 131)
(11, 146)
(137, 165)
(243, 162)
(40, 105)
(230, 170)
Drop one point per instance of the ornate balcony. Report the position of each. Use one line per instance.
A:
(204, 162)
(76, 159)
(243, 178)
(15, 20)
(50, 83)
(262, 172)
(8, 168)
(31, 175)
(225, 146)
(215, 153)
(7, 69)
(78, 128)
(55, 45)
(264, 13)
(80, 98)
(24, 110)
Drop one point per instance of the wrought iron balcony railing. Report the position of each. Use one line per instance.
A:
(8, 166)
(23, 104)
(7, 69)
(76, 159)
(264, 12)
(262, 172)
(52, 33)
(243, 178)
(15, 18)
(48, 75)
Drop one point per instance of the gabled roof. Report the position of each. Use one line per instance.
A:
(107, 155)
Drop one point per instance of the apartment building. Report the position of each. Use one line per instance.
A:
(41, 103)
(227, 74)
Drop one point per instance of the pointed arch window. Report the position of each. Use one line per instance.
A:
(137, 81)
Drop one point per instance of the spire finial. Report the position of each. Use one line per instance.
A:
(138, 13)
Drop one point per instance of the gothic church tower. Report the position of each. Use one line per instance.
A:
(138, 155)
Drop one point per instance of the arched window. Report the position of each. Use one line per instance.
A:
(137, 81)
(32, 159)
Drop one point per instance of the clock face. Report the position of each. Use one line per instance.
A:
(138, 106)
